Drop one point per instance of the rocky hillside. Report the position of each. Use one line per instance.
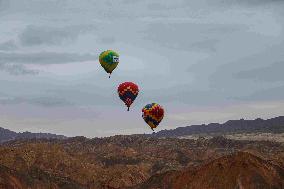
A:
(239, 170)
(123, 161)
(33, 178)
(274, 125)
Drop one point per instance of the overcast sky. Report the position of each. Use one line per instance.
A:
(202, 60)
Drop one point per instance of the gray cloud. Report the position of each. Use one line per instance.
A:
(209, 44)
(188, 36)
(107, 40)
(44, 35)
(45, 101)
(251, 71)
(14, 63)
(3, 4)
(254, 2)
(49, 101)
(17, 69)
(44, 57)
(275, 93)
(186, 95)
(8, 45)
(86, 94)
(270, 73)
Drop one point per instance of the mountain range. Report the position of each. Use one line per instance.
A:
(7, 135)
(273, 125)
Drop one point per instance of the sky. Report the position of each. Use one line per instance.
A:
(202, 60)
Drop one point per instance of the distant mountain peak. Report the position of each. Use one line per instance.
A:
(273, 125)
(7, 135)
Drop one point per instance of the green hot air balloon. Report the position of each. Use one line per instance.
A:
(109, 60)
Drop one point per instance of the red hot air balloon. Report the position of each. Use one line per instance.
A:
(128, 92)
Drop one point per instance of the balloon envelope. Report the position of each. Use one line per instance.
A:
(109, 60)
(153, 114)
(128, 92)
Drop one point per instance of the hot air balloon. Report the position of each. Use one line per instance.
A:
(153, 114)
(109, 60)
(128, 92)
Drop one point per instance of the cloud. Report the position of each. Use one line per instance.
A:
(44, 101)
(45, 58)
(8, 45)
(270, 73)
(16, 63)
(267, 93)
(46, 35)
(17, 69)
(253, 2)
(48, 101)
(187, 36)
(241, 72)
(107, 40)
(3, 5)
(187, 95)
(209, 44)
